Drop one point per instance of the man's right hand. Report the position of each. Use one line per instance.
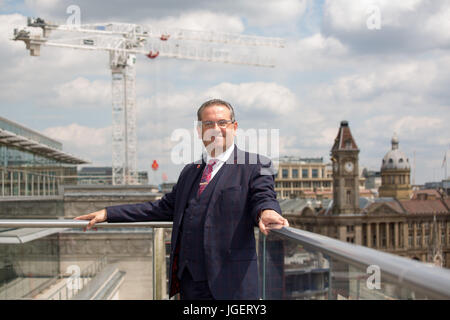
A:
(94, 217)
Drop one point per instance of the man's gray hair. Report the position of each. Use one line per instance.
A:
(215, 102)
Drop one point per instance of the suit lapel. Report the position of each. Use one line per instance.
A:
(187, 184)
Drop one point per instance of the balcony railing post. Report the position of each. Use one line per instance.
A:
(159, 264)
(330, 280)
(264, 267)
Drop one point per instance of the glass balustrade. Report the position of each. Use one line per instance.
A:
(301, 265)
(57, 260)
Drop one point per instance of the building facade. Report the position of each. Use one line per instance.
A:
(302, 177)
(395, 173)
(417, 227)
(32, 164)
(103, 176)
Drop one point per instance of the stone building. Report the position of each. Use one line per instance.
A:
(395, 173)
(307, 178)
(412, 226)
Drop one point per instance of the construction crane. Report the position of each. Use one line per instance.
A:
(123, 42)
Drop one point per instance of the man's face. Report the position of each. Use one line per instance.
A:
(215, 138)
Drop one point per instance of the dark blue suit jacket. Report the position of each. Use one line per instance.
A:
(245, 187)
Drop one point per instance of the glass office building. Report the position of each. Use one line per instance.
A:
(32, 164)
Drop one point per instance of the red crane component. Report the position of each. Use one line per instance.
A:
(164, 37)
(152, 55)
(155, 165)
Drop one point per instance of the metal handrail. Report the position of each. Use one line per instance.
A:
(430, 280)
(67, 223)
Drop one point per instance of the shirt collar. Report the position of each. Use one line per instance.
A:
(223, 157)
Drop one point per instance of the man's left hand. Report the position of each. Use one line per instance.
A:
(270, 219)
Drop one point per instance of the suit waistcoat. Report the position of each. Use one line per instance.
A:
(192, 252)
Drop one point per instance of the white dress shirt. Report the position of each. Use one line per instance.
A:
(221, 159)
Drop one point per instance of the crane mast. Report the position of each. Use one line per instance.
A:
(123, 42)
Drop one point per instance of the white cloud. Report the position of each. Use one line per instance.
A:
(266, 13)
(410, 78)
(406, 26)
(257, 13)
(7, 25)
(267, 98)
(81, 93)
(413, 125)
(315, 52)
(92, 144)
(201, 20)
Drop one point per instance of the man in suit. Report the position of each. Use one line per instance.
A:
(214, 207)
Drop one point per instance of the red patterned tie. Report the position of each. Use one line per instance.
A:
(206, 176)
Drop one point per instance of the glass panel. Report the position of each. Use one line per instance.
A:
(24, 268)
(291, 271)
(103, 264)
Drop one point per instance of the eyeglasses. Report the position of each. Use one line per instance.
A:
(221, 123)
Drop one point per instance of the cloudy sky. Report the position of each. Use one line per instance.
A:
(381, 65)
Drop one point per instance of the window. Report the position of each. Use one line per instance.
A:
(294, 173)
(315, 173)
(348, 144)
(400, 235)
(349, 198)
(304, 173)
(419, 235)
(382, 230)
(285, 173)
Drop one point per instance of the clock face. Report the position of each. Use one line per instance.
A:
(348, 166)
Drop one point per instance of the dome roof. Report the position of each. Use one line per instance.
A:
(395, 159)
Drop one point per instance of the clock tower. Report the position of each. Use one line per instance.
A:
(344, 156)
